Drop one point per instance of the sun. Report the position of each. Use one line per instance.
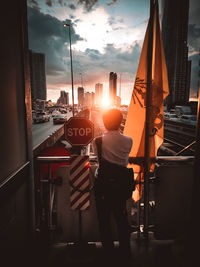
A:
(105, 102)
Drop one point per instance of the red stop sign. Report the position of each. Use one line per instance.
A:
(79, 131)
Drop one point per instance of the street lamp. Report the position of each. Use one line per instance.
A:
(68, 25)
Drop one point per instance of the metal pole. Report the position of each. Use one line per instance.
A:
(72, 79)
(147, 122)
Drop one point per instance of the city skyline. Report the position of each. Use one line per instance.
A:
(106, 37)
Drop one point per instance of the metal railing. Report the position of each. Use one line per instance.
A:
(48, 184)
(132, 160)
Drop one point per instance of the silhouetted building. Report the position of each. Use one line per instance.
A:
(174, 33)
(112, 87)
(37, 75)
(80, 96)
(93, 99)
(118, 101)
(98, 93)
(64, 98)
(88, 100)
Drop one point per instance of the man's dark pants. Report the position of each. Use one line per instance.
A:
(106, 205)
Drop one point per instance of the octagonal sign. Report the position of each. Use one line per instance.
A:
(79, 131)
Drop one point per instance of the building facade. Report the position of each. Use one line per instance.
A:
(118, 101)
(112, 87)
(37, 75)
(93, 99)
(80, 96)
(174, 33)
(64, 98)
(98, 93)
(88, 100)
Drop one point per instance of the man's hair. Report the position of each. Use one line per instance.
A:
(112, 119)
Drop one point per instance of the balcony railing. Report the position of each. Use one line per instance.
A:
(46, 199)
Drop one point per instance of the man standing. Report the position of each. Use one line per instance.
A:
(113, 150)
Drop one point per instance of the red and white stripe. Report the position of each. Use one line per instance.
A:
(79, 177)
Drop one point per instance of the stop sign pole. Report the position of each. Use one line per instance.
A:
(79, 131)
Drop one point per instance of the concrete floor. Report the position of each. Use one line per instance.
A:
(151, 253)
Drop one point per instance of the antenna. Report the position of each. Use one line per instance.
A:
(81, 79)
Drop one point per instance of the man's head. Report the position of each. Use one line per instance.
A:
(112, 119)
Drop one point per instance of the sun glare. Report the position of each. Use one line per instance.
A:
(105, 102)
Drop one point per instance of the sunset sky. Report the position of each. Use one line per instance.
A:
(107, 35)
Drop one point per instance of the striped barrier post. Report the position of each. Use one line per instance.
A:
(79, 181)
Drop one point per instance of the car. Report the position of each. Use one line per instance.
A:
(59, 118)
(41, 117)
(189, 119)
(170, 116)
(63, 111)
(33, 115)
(55, 112)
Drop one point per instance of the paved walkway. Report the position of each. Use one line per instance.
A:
(154, 253)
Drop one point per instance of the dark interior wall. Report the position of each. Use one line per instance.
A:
(12, 119)
(15, 127)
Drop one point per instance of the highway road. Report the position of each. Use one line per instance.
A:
(40, 131)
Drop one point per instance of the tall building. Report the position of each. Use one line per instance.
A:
(64, 98)
(37, 75)
(80, 96)
(88, 100)
(174, 33)
(118, 101)
(113, 87)
(93, 99)
(98, 93)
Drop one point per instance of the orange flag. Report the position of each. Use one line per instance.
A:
(136, 117)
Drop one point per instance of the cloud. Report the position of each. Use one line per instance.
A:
(88, 4)
(47, 35)
(49, 3)
(72, 6)
(113, 20)
(194, 74)
(194, 12)
(96, 66)
(60, 2)
(72, 17)
(112, 3)
(34, 4)
(194, 37)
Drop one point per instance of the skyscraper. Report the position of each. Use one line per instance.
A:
(93, 99)
(80, 96)
(112, 87)
(174, 33)
(64, 98)
(37, 75)
(88, 100)
(98, 93)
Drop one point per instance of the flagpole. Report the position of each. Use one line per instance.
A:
(147, 122)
